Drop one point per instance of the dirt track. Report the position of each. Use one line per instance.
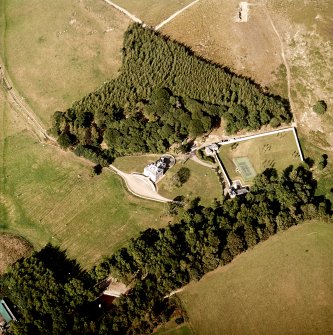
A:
(17, 102)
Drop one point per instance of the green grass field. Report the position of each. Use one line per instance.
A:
(134, 163)
(180, 330)
(47, 195)
(58, 51)
(153, 12)
(203, 183)
(282, 286)
(278, 151)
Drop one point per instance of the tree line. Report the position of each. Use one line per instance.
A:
(55, 296)
(163, 95)
(162, 260)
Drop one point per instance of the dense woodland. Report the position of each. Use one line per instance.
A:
(55, 296)
(163, 95)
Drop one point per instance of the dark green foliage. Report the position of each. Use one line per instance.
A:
(96, 170)
(322, 162)
(159, 261)
(181, 177)
(163, 95)
(320, 107)
(51, 292)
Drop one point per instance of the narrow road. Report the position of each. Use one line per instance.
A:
(199, 161)
(124, 11)
(140, 185)
(285, 62)
(174, 15)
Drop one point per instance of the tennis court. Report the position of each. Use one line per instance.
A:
(245, 168)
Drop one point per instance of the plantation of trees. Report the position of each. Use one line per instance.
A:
(54, 296)
(163, 95)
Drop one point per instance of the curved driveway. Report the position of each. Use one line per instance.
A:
(140, 185)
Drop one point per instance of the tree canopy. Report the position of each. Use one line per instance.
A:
(163, 95)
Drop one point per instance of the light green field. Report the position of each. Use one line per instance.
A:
(180, 330)
(203, 183)
(152, 12)
(277, 151)
(134, 163)
(48, 195)
(282, 286)
(58, 51)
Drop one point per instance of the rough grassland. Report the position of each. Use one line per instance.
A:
(209, 28)
(58, 51)
(203, 183)
(48, 195)
(12, 248)
(282, 286)
(152, 12)
(277, 151)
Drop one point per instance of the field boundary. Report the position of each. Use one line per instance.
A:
(124, 11)
(175, 14)
(17, 103)
(268, 133)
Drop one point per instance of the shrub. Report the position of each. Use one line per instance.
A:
(320, 107)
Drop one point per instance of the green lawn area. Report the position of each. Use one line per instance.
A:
(277, 151)
(58, 51)
(47, 195)
(153, 12)
(180, 330)
(134, 163)
(282, 286)
(203, 183)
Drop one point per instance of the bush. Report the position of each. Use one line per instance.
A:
(320, 107)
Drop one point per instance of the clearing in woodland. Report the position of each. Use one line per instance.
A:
(48, 195)
(282, 286)
(53, 60)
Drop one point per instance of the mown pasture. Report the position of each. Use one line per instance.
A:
(282, 286)
(48, 195)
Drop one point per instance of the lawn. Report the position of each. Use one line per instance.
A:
(203, 183)
(179, 330)
(277, 151)
(153, 12)
(134, 163)
(282, 286)
(58, 51)
(47, 195)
